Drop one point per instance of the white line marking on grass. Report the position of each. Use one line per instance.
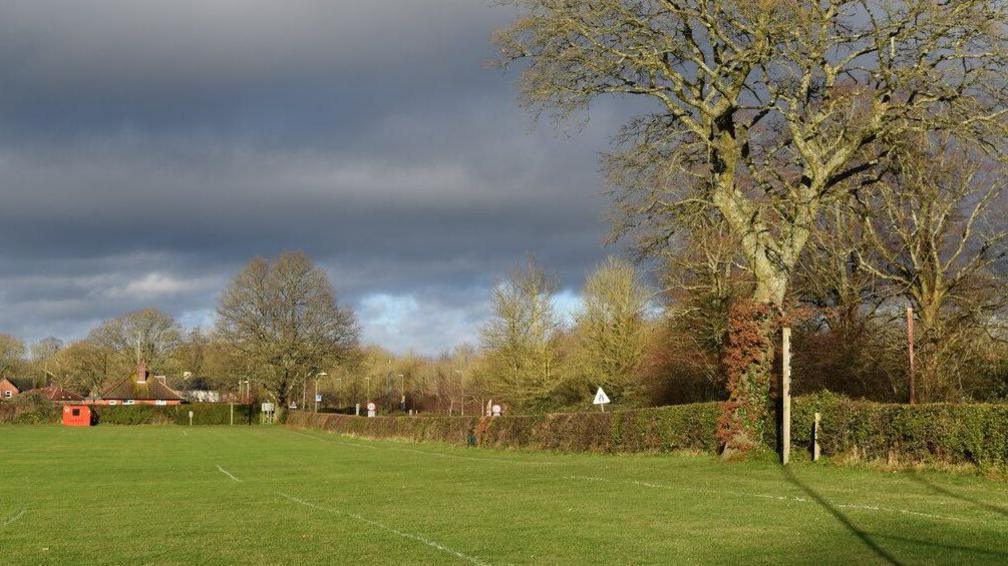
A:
(376, 524)
(16, 516)
(184, 433)
(793, 498)
(227, 473)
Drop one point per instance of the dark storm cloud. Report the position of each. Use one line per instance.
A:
(148, 149)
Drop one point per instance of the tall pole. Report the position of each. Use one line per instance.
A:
(316, 394)
(402, 390)
(910, 352)
(786, 396)
(462, 386)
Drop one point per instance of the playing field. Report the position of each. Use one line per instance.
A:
(212, 495)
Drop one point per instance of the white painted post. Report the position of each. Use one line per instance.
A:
(815, 438)
(786, 397)
(232, 414)
(190, 418)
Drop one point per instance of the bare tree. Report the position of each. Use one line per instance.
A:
(85, 366)
(12, 352)
(612, 329)
(764, 111)
(282, 316)
(935, 237)
(519, 338)
(148, 335)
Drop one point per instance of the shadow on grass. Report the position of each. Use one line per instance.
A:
(949, 493)
(870, 539)
(1001, 556)
(841, 518)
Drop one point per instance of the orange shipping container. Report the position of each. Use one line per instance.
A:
(76, 415)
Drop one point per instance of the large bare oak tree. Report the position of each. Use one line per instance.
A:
(282, 317)
(764, 111)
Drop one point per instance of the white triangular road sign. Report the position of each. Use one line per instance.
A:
(600, 397)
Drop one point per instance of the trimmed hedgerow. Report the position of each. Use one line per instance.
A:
(29, 408)
(203, 414)
(932, 433)
(664, 429)
(36, 409)
(419, 429)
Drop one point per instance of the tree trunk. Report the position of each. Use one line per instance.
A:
(748, 358)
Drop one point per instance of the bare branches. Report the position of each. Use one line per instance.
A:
(282, 317)
(765, 110)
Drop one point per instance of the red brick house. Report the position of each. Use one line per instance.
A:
(8, 390)
(140, 389)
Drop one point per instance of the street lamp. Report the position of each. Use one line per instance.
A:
(317, 376)
(402, 390)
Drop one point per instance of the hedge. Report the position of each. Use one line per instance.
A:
(931, 434)
(663, 429)
(941, 433)
(29, 409)
(203, 414)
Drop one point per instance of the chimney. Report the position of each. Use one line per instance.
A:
(141, 373)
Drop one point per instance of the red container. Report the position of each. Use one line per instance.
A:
(76, 415)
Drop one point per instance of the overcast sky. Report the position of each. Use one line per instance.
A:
(150, 148)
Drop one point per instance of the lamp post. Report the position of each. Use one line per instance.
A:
(402, 390)
(317, 376)
(462, 386)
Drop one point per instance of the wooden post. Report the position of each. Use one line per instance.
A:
(232, 414)
(910, 352)
(815, 438)
(786, 397)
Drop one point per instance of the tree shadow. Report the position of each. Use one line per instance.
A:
(841, 518)
(869, 538)
(958, 496)
(1002, 556)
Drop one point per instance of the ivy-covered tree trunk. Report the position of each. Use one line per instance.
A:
(748, 359)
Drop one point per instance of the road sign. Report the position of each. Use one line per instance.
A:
(318, 398)
(267, 407)
(496, 410)
(601, 399)
(371, 409)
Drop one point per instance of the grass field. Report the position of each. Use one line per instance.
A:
(150, 494)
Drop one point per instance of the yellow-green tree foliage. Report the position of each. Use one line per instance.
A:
(520, 336)
(612, 328)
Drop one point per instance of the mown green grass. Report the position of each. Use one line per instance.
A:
(150, 494)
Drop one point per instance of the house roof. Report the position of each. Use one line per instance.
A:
(10, 384)
(57, 393)
(21, 384)
(150, 390)
(136, 388)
